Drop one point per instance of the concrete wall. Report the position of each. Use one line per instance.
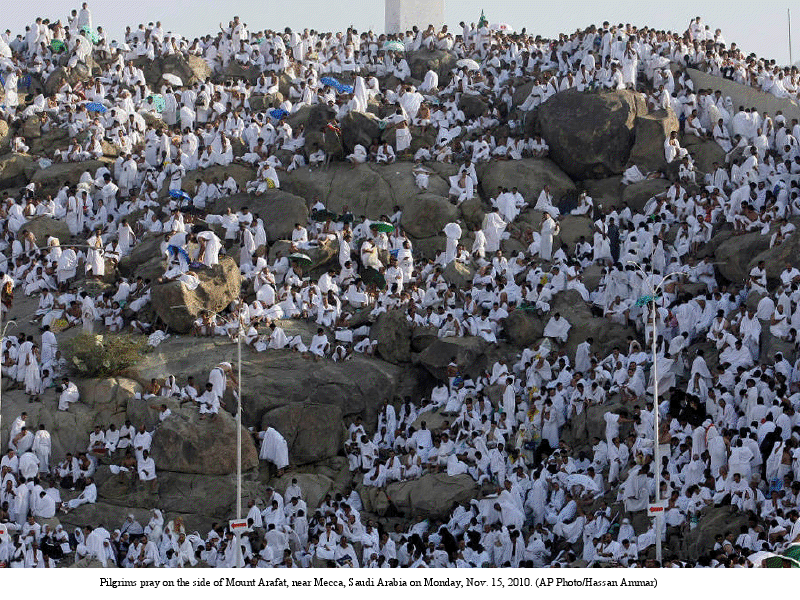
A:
(744, 95)
(402, 15)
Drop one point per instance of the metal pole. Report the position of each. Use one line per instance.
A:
(3, 328)
(239, 422)
(239, 558)
(789, 19)
(656, 451)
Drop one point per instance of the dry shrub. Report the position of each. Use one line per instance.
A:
(103, 355)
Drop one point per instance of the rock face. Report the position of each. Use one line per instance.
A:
(359, 128)
(281, 377)
(16, 170)
(704, 152)
(591, 135)
(440, 61)
(427, 215)
(186, 444)
(605, 334)
(529, 175)
(241, 173)
(523, 328)
(44, 227)
(777, 257)
(713, 520)
(734, 255)
(5, 137)
(278, 209)
(431, 496)
(178, 306)
(190, 69)
(465, 350)
(314, 432)
(393, 334)
(637, 194)
(650, 132)
(458, 274)
(54, 177)
(572, 228)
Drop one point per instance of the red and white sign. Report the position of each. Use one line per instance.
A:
(237, 525)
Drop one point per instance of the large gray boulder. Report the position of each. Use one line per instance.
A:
(315, 486)
(54, 177)
(528, 175)
(44, 227)
(431, 496)
(704, 152)
(637, 194)
(591, 135)
(605, 334)
(16, 170)
(713, 520)
(145, 259)
(733, 256)
(466, 351)
(458, 274)
(392, 331)
(280, 377)
(359, 128)
(523, 328)
(427, 215)
(440, 61)
(605, 192)
(314, 432)
(187, 444)
(313, 117)
(190, 69)
(279, 210)
(651, 131)
(777, 257)
(262, 102)
(241, 174)
(572, 228)
(179, 306)
(473, 105)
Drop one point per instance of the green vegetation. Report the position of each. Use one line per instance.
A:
(103, 355)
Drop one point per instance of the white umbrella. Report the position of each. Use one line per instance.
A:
(453, 231)
(470, 64)
(584, 480)
(504, 27)
(173, 79)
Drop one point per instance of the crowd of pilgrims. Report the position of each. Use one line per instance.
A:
(730, 434)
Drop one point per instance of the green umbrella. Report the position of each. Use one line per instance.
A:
(793, 551)
(57, 46)
(780, 562)
(303, 259)
(323, 215)
(395, 46)
(370, 275)
(382, 226)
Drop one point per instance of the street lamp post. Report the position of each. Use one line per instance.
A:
(651, 301)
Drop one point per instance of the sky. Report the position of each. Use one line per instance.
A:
(764, 30)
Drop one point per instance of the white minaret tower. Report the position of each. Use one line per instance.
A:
(402, 15)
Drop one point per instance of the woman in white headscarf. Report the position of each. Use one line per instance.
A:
(155, 526)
